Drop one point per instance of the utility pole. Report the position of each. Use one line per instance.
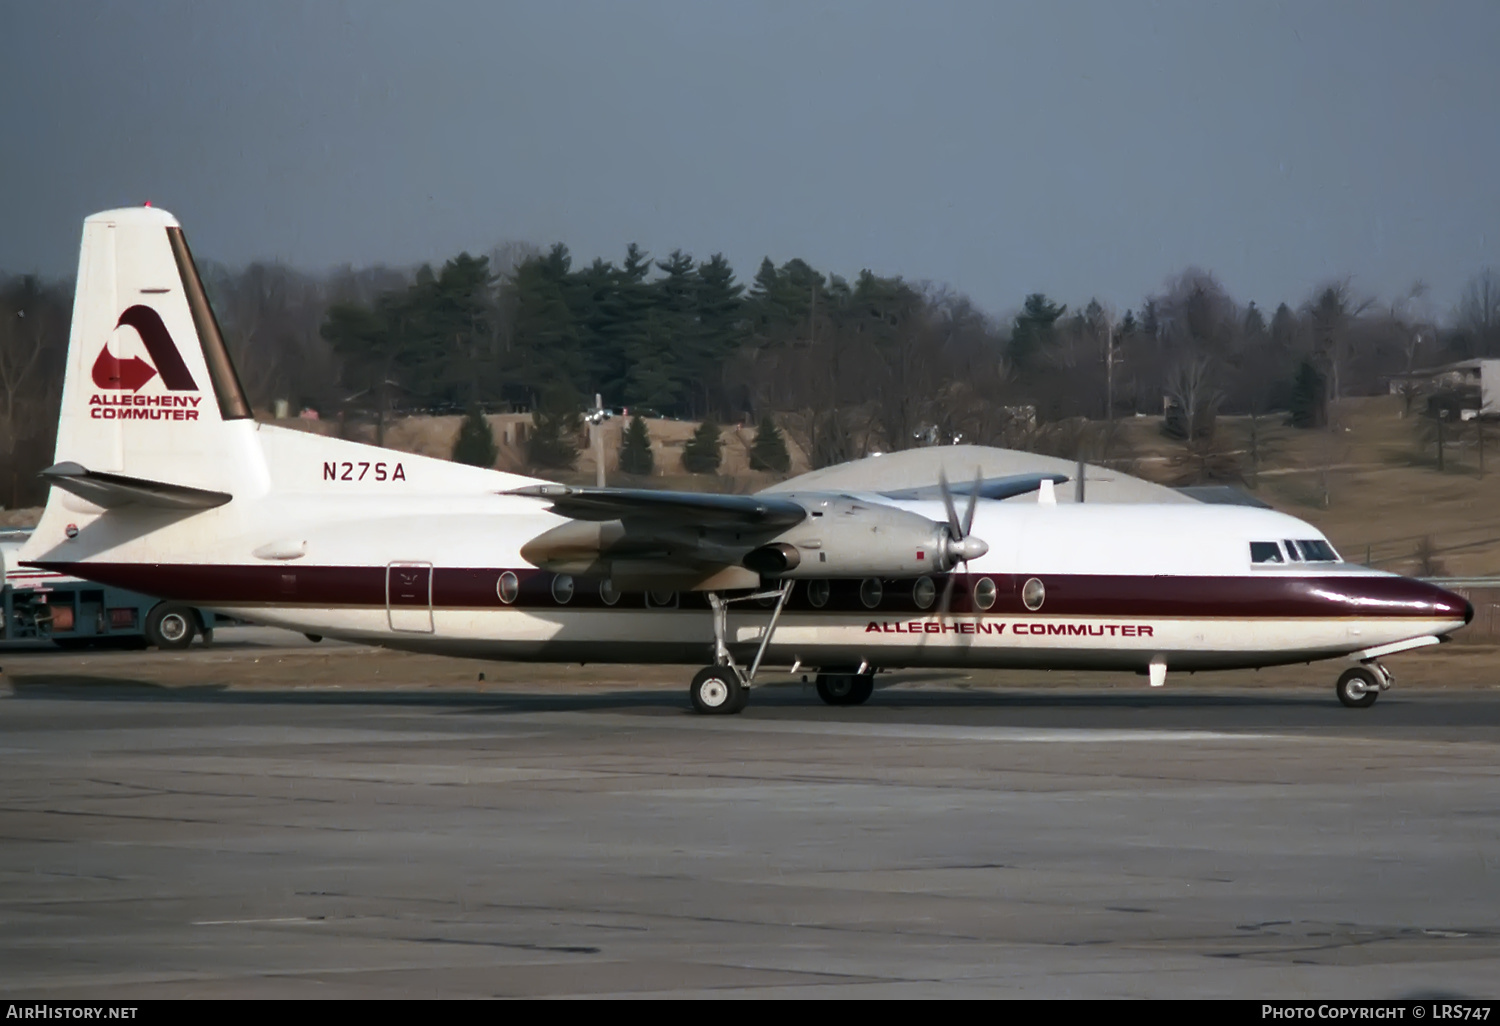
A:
(812, 317)
(1109, 370)
(1479, 426)
(596, 418)
(1442, 416)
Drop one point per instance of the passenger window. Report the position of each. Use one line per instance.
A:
(1291, 551)
(1265, 552)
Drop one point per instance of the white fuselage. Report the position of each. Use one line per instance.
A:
(406, 567)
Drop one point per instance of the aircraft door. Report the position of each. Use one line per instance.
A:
(408, 597)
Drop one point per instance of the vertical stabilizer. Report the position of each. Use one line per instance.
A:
(150, 391)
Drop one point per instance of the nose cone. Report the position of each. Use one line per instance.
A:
(1446, 604)
(1387, 596)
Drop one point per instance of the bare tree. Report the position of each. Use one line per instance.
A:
(33, 345)
(1332, 313)
(1412, 324)
(1192, 385)
(271, 314)
(1479, 312)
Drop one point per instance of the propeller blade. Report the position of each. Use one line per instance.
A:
(973, 501)
(947, 595)
(954, 530)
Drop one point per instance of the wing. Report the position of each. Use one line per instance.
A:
(648, 539)
(677, 509)
(989, 488)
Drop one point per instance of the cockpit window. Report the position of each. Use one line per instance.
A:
(1318, 552)
(1291, 551)
(1265, 552)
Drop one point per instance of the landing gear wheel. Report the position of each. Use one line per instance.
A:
(864, 687)
(717, 689)
(742, 700)
(1358, 688)
(845, 688)
(170, 626)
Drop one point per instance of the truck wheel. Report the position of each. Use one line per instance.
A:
(170, 626)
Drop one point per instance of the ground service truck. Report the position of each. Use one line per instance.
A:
(38, 605)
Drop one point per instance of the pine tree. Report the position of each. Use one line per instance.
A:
(635, 454)
(1033, 331)
(720, 321)
(1309, 398)
(546, 346)
(475, 442)
(703, 452)
(553, 443)
(768, 452)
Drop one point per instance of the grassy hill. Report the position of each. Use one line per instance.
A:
(1369, 481)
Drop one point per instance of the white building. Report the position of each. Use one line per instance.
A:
(1468, 384)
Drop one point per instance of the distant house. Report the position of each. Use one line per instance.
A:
(1467, 389)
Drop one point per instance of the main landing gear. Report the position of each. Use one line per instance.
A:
(1359, 686)
(724, 687)
(717, 689)
(845, 688)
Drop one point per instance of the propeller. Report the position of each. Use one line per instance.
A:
(960, 546)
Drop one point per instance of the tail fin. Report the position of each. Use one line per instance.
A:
(155, 429)
(150, 392)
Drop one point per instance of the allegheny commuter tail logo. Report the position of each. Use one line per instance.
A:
(114, 375)
(110, 372)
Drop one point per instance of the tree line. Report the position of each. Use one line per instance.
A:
(846, 366)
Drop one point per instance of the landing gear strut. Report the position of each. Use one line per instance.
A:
(845, 688)
(1359, 686)
(724, 687)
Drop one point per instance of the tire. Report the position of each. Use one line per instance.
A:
(864, 687)
(1358, 688)
(846, 688)
(839, 688)
(314, 638)
(717, 690)
(740, 702)
(170, 626)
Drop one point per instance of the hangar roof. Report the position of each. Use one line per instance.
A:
(914, 468)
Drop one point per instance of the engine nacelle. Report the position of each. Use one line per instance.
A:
(774, 560)
(846, 537)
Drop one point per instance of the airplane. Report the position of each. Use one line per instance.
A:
(164, 483)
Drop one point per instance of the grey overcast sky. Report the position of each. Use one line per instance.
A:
(1077, 148)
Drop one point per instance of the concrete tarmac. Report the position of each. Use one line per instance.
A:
(541, 837)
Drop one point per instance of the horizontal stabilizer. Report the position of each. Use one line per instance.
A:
(690, 508)
(111, 491)
(989, 488)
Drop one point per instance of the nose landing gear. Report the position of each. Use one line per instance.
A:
(1359, 686)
